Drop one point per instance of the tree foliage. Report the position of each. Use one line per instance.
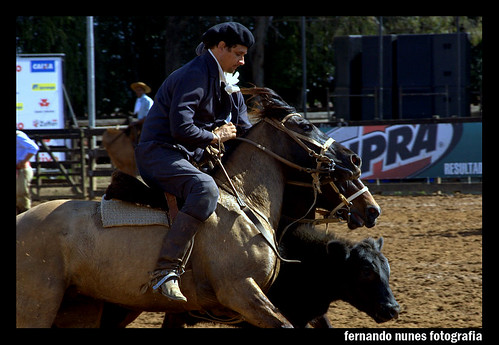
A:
(133, 48)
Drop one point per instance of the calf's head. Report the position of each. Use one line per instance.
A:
(365, 283)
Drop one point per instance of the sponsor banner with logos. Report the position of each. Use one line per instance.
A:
(39, 96)
(415, 150)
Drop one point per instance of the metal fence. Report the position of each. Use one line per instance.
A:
(79, 167)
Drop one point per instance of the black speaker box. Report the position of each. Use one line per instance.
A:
(451, 60)
(416, 103)
(347, 59)
(414, 61)
(370, 61)
(451, 101)
(346, 106)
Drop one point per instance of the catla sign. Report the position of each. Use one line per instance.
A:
(39, 96)
(39, 92)
(415, 150)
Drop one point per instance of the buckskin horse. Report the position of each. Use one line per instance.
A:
(361, 209)
(119, 145)
(62, 244)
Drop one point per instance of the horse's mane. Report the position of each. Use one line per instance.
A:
(265, 103)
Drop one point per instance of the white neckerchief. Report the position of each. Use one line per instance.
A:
(230, 80)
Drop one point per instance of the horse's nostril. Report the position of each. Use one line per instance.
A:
(355, 159)
(373, 211)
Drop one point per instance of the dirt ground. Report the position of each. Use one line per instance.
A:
(434, 245)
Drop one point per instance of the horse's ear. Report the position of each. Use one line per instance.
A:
(337, 251)
(267, 103)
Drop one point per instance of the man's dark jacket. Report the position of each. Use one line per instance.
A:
(189, 105)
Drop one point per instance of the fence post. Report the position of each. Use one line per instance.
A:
(91, 163)
(38, 180)
(83, 169)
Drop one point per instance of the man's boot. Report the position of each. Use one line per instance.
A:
(174, 248)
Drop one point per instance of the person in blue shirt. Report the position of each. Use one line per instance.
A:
(143, 102)
(25, 149)
(197, 105)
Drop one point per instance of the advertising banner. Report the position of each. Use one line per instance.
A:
(415, 150)
(39, 96)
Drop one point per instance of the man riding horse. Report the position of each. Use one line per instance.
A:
(196, 106)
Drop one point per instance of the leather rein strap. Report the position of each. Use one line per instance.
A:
(269, 237)
(320, 158)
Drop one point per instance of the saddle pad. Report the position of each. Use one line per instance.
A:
(116, 212)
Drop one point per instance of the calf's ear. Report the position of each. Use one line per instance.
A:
(379, 243)
(337, 250)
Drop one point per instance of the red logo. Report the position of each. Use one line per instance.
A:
(44, 102)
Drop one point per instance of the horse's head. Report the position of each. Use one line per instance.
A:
(320, 154)
(358, 208)
(344, 163)
(348, 201)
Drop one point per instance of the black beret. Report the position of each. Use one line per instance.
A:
(231, 33)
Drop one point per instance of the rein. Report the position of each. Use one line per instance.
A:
(297, 137)
(250, 213)
(331, 217)
(320, 158)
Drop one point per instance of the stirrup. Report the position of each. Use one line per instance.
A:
(165, 278)
(169, 287)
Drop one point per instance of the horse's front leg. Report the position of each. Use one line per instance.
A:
(246, 298)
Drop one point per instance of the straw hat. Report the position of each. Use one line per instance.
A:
(142, 85)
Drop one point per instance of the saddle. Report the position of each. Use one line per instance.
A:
(129, 188)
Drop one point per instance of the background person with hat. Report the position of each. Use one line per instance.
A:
(143, 102)
(197, 105)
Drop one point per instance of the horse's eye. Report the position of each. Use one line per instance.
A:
(307, 127)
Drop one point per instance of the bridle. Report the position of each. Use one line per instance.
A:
(347, 201)
(324, 165)
(322, 160)
(331, 217)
